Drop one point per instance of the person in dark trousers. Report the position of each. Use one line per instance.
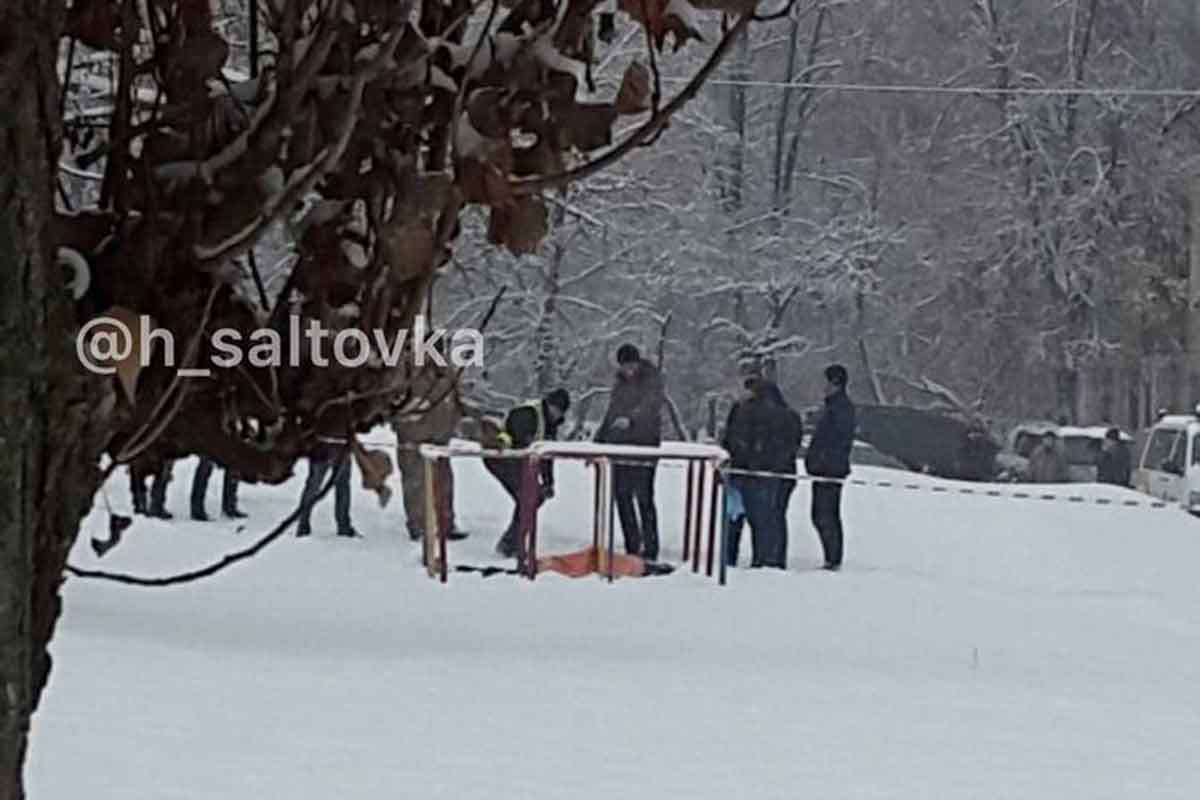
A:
(762, 434)
(229, 487)
(731, 439)
(320, 461)
(976, 454)
(1114, 464)
(786, 442)
(634, 417)
(537, 420)
(158, 471)
(828, 456)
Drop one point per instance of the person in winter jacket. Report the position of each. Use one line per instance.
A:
(828, 456)
(763, 435)
(732, 437)
(976, 454)
(634, 416)
(1114, 465)
(785, 447)
(537, 420)
(431, 416)
(1048, 463)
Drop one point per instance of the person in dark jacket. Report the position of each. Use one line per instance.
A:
(1114, 464)
(763, 435)
(320, 461)
(731, 439)
(788, 439)
(531, 422)
(828, 456)
(229, 487)
(976, 454)
(634, 416)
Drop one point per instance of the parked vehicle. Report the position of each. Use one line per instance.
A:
(1081, 446)
(1168, 465)
(865, 454)
(928, 441)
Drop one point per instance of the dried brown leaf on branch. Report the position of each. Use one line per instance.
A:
(728, 6)
(660, 17)
(375, 466)
(200, 56)
(407, 247)
(634, 94)
(519, 227)
(96, 23)
(120, 347)
(586, 126)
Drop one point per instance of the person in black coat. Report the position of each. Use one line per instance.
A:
(525, 424)
(634, 416)
(787, 434)
(976, 454)
(731, 440)
(1114, 465)
(762, 434)
(828, 456)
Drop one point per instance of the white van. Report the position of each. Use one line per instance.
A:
(1169, 465)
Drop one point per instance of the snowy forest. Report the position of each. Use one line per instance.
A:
(949, 244)
(1013, 255)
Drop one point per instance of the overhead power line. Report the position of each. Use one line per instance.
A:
(900, 88)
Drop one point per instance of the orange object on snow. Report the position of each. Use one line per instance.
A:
(592, 561)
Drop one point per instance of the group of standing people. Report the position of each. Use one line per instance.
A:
(1048, 461)
(634, 416)
(764, 435)
(152, 501)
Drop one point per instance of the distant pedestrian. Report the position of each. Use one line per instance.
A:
(1114, 464)
(976, 454)
(828, 456)
(787, 437)
(537, 420)
(432, 418)
(324, 458)
(733, 440)
(763, 435)
(1048, 463)
(229, 487)
(158, 472)
(634, 417)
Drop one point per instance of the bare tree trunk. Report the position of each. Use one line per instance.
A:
(49, 431)
(676, 419)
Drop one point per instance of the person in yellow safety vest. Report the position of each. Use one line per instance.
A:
(535, 421)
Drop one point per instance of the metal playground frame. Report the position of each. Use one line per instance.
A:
(703, 509)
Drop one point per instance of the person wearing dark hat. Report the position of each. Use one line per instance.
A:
(762, 435)
(535, 421)
(828, 456)
(1114, 464)
(634, 416)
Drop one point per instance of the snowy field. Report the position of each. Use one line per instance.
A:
(972, 647)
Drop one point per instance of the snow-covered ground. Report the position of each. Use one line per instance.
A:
(972, 647)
